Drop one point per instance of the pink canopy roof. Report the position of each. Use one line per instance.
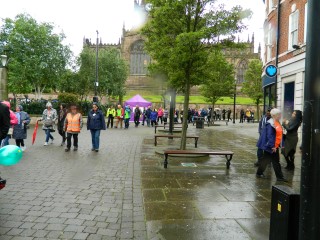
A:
(138, 100)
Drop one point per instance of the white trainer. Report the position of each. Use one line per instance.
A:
(45, 144)
(51, 141)
(23, 148)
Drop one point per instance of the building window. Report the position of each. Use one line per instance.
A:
(269, 43)
(139, 59)
(293, 29)
(242, 67)
(305, 22)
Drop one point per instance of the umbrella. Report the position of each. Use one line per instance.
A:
(34, 135)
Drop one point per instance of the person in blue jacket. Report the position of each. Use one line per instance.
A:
(95, 124)
(153, 117)
(270, 142)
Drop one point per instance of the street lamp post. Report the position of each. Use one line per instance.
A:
(96, 82)
(4, 78)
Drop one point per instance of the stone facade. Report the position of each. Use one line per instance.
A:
(138, 78)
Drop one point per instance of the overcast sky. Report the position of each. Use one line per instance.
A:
(79, 18)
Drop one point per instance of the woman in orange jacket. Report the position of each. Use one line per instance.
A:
(72, 126)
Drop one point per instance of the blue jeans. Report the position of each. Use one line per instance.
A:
(48, 135)
(6, 140)
(95, 136)
(126, 122)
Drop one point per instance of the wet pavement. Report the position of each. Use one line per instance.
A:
(123, 191)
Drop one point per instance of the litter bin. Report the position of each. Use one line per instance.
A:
(200, 123)
(284, 220)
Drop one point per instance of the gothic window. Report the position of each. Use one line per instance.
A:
(242, 67)
(139, 59)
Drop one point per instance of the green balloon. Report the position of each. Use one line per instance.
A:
(10, 155)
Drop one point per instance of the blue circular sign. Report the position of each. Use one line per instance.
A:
(271, 70)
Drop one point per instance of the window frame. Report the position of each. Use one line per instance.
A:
(293, 29)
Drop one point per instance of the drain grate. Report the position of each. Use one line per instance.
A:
(189, 164)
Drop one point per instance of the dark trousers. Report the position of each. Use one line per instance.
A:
(75, 140)
(275, 160)
(259, 154)
(126, 123)
(63, 135)
(110, 120)
(136, 120)
(20, 142)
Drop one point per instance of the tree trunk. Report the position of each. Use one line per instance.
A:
(38, 92)
(185, 116)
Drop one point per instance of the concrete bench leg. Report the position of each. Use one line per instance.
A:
(229, 158)
(165, 163)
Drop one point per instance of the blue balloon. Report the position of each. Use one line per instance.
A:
(10, 155)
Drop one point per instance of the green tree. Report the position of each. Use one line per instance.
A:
(220, 81)
(37, 56)
(112, 69)
(252, 85)
(179, 37)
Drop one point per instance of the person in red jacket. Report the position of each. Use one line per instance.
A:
(4, 121)
(13, 122)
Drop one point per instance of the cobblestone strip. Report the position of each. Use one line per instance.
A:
(77, 195)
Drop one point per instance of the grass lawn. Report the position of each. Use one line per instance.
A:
(196, 99)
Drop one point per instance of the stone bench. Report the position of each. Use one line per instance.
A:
(227, 154)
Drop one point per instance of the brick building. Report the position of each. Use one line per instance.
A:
(285, 47)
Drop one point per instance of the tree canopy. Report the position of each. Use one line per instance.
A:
(180, 36)
(37, 56)
(113, 72)
(252, 86)
(220, 81)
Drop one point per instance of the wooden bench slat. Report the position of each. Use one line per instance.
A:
(176, 136)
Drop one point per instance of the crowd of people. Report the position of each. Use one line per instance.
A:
(274, 137)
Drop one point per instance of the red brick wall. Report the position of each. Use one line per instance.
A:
(284, 26)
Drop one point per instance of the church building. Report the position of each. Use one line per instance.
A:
(131, 47)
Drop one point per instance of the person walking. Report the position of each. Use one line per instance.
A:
(291, 137)
(49, 116)
(137, 114)
(95, 124)
(143, 116)
(262, 124)
(127, 114)
(111, 113)
(153, 117)
(72, 126)
(229, 115)
(119, 116)
(269, 142)
(241, 115)
(61, 122)
(20, 130)
(4, 122)
(13, 122)
(165, 115)
(160, 115)
(148, 115)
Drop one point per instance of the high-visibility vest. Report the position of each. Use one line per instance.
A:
(120, 112)
(111, 111)
(73, 122)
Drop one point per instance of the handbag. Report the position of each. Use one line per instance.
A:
(48, 122)
(10, 132)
